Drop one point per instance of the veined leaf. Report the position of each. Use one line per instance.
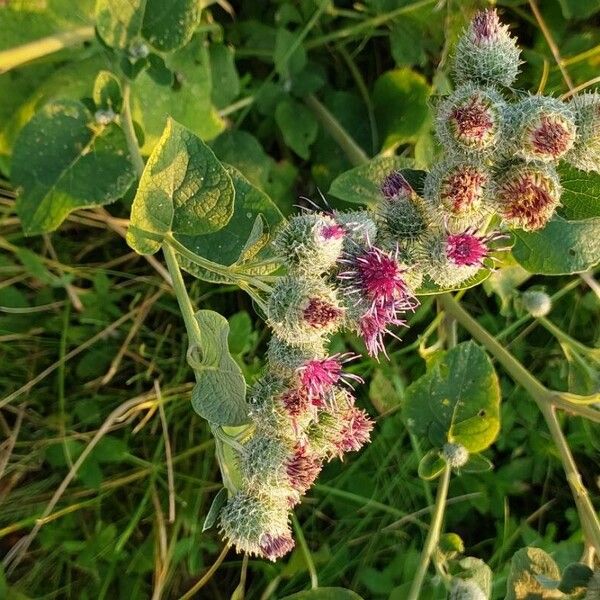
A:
(63, 161)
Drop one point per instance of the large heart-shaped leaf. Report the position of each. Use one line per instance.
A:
(562, 247)
(457, 400)
(227, 244)
(219, 395)
(184, 189)
(63, 161)
(165, 25)
(361, 185)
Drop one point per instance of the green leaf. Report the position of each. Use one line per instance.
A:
(382, 392)
(360, 185)
(576, 9)
(580, 197)
(561, 248)
(477, 463)
(63, 161)
(226, 245)
(215, 508)
(107, 92)
(527, 565)
(431, 465)
(219, 395)
(184, 189)
(575, 575)
(165, 25)
(407, 43)
(225, 80)
(451, 544)
(457, 400)
(298, 126)
(428, 288)
(188, 103)
(330, 593)
(400, 99)
(289, 55)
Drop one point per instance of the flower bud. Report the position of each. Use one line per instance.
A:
(486, 52)
(256, 526)
(301, 311)
(285, 359)
(310, 242)
(542, 128)
(585, 154)
(105, 116)
(461, 188)
(471, 120)
(403, 215)
(537, 303)
(456, 455)
(526, 195)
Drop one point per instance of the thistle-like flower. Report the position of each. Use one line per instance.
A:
(585, 154)
(318, 376)
(310, 242)
(526, 195)
(471, 120)
(542, 129)
(486, 52)
(257, 526)
(461, 188)
(302, 310)
(355, 431)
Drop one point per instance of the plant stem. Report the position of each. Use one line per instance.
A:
(185, 304)
(433, 535)
(547, 401)
(310, 565)
(129, 131)
(15, 57)
(353, 151)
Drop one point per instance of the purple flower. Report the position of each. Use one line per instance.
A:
(276, 546)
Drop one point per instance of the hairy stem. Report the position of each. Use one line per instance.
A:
(15, 57)
(433, 535)
(185, 304)
(351, 149)
(547, 401)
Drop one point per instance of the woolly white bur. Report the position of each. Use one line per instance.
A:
(357, 271)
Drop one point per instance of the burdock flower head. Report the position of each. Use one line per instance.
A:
(310, 242)
(526, 195)
(585, 154)
(257, 525)
(460, 186)
(319, 375)
(471, 120)
(301, 309)
(374, 283)
(486, 52)
(404, 216)
(543, 129)
(452, 258)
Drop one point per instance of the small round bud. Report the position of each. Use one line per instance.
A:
(262, 464)
(301, 311)
(526, 195)
(257, 526)
(395, 186)
(585, 154)
(465, 589)
(456, 455)
(460, 187)
(104, 117)
(542, 128)
(310, 243)
(471, 120)
(537, 303)
(138, 49)
(486, 52)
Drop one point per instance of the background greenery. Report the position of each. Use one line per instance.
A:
(92, 339)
